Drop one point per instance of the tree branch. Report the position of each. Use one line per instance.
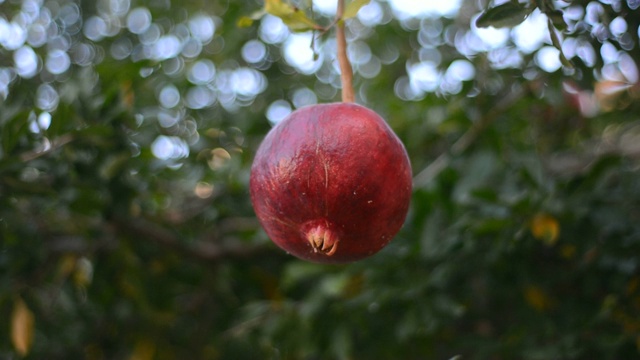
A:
(203, 250)
(47, 148)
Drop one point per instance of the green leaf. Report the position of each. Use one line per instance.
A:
(14, 130)
(334, 285)
(491, 225)
(300, 271)
(352, 9)
(557, 19)
(558, 45)
(565, 62)
(506, 15)
(341, 343)
(293, 17)
(485, 194)
(113, 165)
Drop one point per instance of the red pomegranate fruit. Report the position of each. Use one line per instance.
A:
(331, 183)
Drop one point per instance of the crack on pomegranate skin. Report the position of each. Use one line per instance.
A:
(326, 186)
(322, 240)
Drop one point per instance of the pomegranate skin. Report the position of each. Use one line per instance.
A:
(331, 183)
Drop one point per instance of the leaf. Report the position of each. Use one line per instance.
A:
(607, 92)
(352, 9)
(341, 343)
(334, 285)
(144, 350)
(506, 15)
(22, 324)
(293, 17)
(66, 266)
(113, 165)
(557, 19)
(83, 273)
(544, 227)
(491, 226)
(297, 272)
(14, 130)
(537, 298)
(246, 21)
(485, 194)
(557, 44)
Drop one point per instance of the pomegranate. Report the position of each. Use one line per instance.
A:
(331, 183)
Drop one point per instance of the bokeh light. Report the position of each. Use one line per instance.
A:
(169, 96)
(299, 54)
(26, 62)
(254, 51)
(272, 30)
(202, 72)
(303, 97)
(202, 28)
(139, 20)
(371, 14)
(47, 98)
(404, 9)
(57, 62)
(169, 148)
(278, 110)
(548, 59)
(41, 123)
(47, 42)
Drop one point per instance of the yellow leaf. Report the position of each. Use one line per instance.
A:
(144, 350)
(22, 324)
(128, 96)
(278, 8)
(608, 92)
(83, 273)
(355, 286)
(537, 298)
(66, 266)
(633, 285)
(568, 251)
(352, 9)
(546, 228)
(244, 22)
(293, 17)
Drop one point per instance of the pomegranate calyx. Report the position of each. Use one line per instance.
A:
(322, 240)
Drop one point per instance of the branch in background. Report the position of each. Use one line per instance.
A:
(78, 245)
(425, 176)
(203, 250)
(47, 147)
(622, 142)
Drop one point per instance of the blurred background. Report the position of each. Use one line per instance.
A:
(127, 131)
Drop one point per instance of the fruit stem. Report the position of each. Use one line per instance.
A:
(346, 74)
